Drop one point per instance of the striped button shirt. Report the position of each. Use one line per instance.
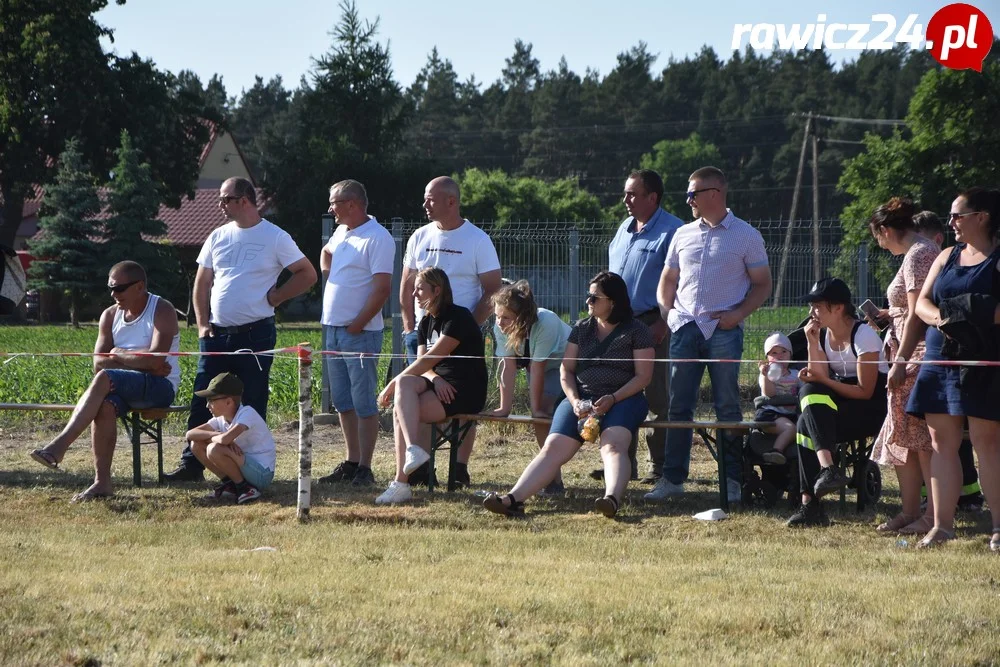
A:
(713, 264)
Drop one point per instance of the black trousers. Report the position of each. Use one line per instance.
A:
(828, 419)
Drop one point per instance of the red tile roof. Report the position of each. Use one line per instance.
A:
(191, 224)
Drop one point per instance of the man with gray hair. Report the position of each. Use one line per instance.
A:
(467, 255)
(356, 265)
(235, 294)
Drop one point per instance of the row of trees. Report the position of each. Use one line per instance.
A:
(534, 144)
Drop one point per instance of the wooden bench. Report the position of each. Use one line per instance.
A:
(449, 435)
(145, 422)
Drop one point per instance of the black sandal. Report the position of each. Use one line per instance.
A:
(494, 503)
(608, 506)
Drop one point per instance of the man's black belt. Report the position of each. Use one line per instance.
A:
(242, 328)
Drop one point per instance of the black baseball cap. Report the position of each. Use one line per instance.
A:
(831, 290)
(222, 385)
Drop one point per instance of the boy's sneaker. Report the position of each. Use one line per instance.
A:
(808, 514)
(363, 477)
(250, 493)
(224, 491)
(344, 472)
(664, 489)
(416, 456)
(829, 480)
(398, 492)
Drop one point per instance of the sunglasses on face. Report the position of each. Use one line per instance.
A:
(693, 194)
(118, 289)
(594, 297)
(225, 199)
(956, 216)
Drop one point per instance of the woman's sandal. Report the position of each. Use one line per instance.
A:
(608, 506)
(995, 539)
(922, 525)
(494, 503)
(45, 459)
(895, 523)
(935, 537)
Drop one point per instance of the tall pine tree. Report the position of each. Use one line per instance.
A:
(66, 248)
(131, 229)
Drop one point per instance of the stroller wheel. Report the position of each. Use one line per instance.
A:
(869, 482)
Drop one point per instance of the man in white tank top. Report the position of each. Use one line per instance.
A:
(124, 379)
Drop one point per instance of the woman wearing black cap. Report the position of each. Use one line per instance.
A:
(843, 396)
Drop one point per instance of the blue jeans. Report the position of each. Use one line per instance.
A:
(410, 345)
(135, 390)
(685, 378)
(353, 379)
(255, 377)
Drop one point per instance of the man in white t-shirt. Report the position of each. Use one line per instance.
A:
(357, 271)
(235, 294)
(466, 254)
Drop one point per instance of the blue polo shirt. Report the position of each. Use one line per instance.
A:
(638, 257)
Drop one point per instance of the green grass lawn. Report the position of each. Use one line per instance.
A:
(158, 575)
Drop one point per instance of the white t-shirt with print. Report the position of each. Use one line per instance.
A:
(462, 253)
(844, 363)
(256, 442)
(355, 256)
(246, 264)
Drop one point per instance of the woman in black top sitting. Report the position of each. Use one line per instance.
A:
(448, 378)
(607, 364)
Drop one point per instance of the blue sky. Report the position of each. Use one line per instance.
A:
(238, 39)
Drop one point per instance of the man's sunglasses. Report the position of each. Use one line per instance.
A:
(225, 199)
(118, 289)
(693, 194)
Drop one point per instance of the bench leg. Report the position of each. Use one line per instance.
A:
(135, 432)
(159, 451)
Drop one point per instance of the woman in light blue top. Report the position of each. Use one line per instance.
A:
(532, 338)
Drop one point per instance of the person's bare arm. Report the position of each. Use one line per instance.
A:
(325, 261)
(567, 373)
(925, 307)
(203, 432)
(229, 437)
(867, 378)
(406, 299)
(303, 277)
(506, 376)
(164, 330)
(379, 295)
(103, 359)
(491, 282)
(666, 291)
(536, 387)
(201, 296)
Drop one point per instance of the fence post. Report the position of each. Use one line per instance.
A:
(305, 431)
(396, 315)
(325, 401)
(862, 272)
(574, 274)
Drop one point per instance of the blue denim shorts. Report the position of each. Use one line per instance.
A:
(353, 379)
(256, 474)
(135, 390)
(628, 413)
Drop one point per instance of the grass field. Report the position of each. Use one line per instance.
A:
(158, 575)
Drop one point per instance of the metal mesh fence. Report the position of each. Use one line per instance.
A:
(559, 258)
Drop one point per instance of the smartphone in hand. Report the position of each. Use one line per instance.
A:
(871, 312)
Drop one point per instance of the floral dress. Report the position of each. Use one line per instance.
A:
(901, 432)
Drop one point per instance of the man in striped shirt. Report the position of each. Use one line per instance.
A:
(715, 276)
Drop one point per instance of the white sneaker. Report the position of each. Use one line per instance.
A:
(416, 456)
(734, 491)
(664, 489)
(398, 492)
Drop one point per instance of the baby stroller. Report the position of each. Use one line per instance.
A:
(764, 484)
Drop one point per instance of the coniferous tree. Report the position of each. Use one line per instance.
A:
(66, 249)
(131, 228)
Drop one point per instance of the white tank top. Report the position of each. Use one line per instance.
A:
(138, 334)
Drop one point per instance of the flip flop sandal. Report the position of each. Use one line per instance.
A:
(45, 459)
(494, 503)
(88, 496)
(922, 525)
(896, 523)
(935, 537)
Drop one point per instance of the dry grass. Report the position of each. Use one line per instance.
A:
(158, 575)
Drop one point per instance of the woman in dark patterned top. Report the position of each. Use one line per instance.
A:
(607, 364)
